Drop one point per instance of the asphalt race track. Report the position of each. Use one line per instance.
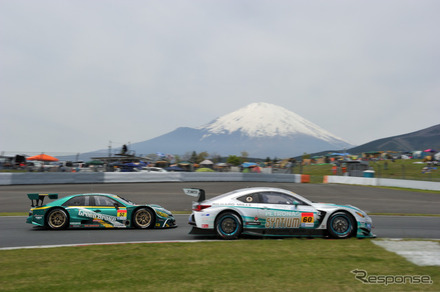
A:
(16, 233)
(170, 195)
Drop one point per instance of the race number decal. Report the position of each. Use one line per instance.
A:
(122, 214)
(307, 220)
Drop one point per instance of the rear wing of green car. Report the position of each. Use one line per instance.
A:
(39, 198)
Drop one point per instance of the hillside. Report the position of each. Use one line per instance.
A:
(419, 140)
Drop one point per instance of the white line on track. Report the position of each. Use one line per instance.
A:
(104, 243)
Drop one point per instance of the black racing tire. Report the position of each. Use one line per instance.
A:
(341, 225)
(228, 225)
(57, 219)
(144, 218)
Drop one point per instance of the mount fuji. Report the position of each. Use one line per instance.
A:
(260, 129)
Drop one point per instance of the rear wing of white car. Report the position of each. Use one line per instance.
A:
(39, 198)
(198, 193)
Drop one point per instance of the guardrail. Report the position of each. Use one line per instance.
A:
(139, 177)
(131, 177)
(384, 182)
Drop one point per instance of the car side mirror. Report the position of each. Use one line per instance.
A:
(116, 206)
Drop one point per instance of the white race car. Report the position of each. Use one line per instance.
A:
(274, 212)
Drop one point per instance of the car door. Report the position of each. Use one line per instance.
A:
(76, 206)
(95, 211)
(252, 210)
(282, 211)
(107, 211)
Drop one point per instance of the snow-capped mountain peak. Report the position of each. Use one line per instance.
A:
(266, 120)
(260, 129)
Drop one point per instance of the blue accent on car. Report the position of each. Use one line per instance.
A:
(236, 223)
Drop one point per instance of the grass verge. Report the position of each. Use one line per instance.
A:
(400, 169)
(242, 265)
(14, 214)
(405, 189)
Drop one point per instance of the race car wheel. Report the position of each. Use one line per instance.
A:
(143, 218)
(57, 219)
(341, 225)
(228, 226)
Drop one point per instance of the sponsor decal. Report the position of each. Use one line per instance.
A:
(287, 219)
(192, 192)
(101, 218)
(162, 214)
(93, 215)
(283, 222)
(273, 213)
(103, 223)
(255, 222)
(205, 226)
(243, 205)
(228, 204)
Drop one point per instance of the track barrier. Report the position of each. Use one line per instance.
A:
(133, 177)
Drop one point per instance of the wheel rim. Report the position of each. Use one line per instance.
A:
(228, 225)
(143, 218)
(57, 219)
(341, 225)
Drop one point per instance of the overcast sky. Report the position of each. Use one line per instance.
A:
(75, 75)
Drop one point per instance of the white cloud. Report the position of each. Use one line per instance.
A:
(86, 72)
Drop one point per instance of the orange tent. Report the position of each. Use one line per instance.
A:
(42, 157)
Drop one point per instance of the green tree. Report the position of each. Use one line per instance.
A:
(234, 160)
(268, 161)
(216, 158)
(193, 158)
(201, 156)
(306, 156)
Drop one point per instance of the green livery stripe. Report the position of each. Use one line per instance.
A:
(345, 206)
(260, 208)
(96, 207)
(39, 208)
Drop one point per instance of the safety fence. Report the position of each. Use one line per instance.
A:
(142, 177)
(135, 177)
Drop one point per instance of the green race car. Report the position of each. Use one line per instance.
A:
(96, 211)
